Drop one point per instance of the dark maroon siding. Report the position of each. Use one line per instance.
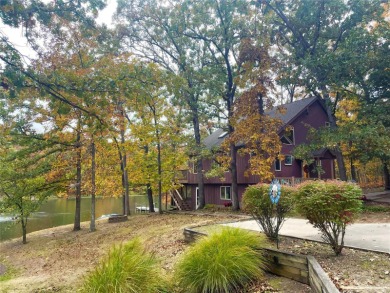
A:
(242, 166)
(315, 116)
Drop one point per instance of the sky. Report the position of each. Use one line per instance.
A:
(15, 35)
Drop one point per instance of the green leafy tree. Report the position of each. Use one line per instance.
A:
(223, 27)
(316, 37)
(155, 135)
(157, 32)
(26, 177)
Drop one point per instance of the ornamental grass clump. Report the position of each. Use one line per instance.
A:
(330, 206)
(222, 262)
(127, 268)
(256, 201)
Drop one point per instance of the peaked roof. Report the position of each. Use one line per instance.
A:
(215, 139)
(290, 112)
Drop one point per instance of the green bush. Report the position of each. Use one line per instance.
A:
(330, 206)
(222, 262)
(127, 268)
(256, 202)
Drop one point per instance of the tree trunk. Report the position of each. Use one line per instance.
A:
(24, 229)
(386, 174)
(125, 177)
(92, 226)
(159, 177)
(77, 216)
(332, 121)
(199, 161)
(159, 171)
(353, 171)
(233, 169)
(149, 192)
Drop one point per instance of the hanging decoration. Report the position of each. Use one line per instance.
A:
(274, 191)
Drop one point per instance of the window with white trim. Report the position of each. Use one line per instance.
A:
(194, 168)
(278, 165)
(225, 193)
(288, 160)
(288, 136)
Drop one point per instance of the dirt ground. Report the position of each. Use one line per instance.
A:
(55, 260)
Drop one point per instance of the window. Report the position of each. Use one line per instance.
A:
(288, 159)
(225, 193)
(319, 162)
(194, 168)
(278, 165)
(223, 134)
(327, 124)
(288, 136)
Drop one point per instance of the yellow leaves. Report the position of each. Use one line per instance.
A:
(348, 110)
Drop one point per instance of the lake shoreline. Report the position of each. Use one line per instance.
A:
(59, 211)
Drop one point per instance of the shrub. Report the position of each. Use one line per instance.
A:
(222, 262)
(330, 206)
(127, 268)
(269, 216)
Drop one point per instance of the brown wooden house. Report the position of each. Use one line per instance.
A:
(298, 116)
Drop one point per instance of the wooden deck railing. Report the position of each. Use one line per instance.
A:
(179, 201)
(292, 181)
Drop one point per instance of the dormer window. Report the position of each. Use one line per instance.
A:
(223, 134)
(288, 136)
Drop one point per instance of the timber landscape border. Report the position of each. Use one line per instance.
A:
(300, 268)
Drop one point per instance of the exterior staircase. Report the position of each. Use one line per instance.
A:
(181, 203)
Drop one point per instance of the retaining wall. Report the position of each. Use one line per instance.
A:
(304, 269)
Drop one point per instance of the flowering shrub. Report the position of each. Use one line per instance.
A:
(330, 206)
(269, 216)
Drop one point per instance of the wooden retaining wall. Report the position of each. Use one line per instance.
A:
(289, 265)
(318, 279)
(304, 269)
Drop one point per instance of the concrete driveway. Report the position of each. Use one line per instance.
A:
(375, 237)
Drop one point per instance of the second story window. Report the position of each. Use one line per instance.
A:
(288, 136)
(194, 168)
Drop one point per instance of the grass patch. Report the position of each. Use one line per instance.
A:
(127, 268)
(6, 271)
(375, 209)
(222, 262)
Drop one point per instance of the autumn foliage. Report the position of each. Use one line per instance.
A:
(330, 206)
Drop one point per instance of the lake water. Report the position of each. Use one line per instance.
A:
(59, 211)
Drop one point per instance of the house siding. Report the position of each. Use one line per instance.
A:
(312, 116)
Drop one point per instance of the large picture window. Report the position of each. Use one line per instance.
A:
(225, 193)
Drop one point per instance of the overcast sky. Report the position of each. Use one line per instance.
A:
(15, 35)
